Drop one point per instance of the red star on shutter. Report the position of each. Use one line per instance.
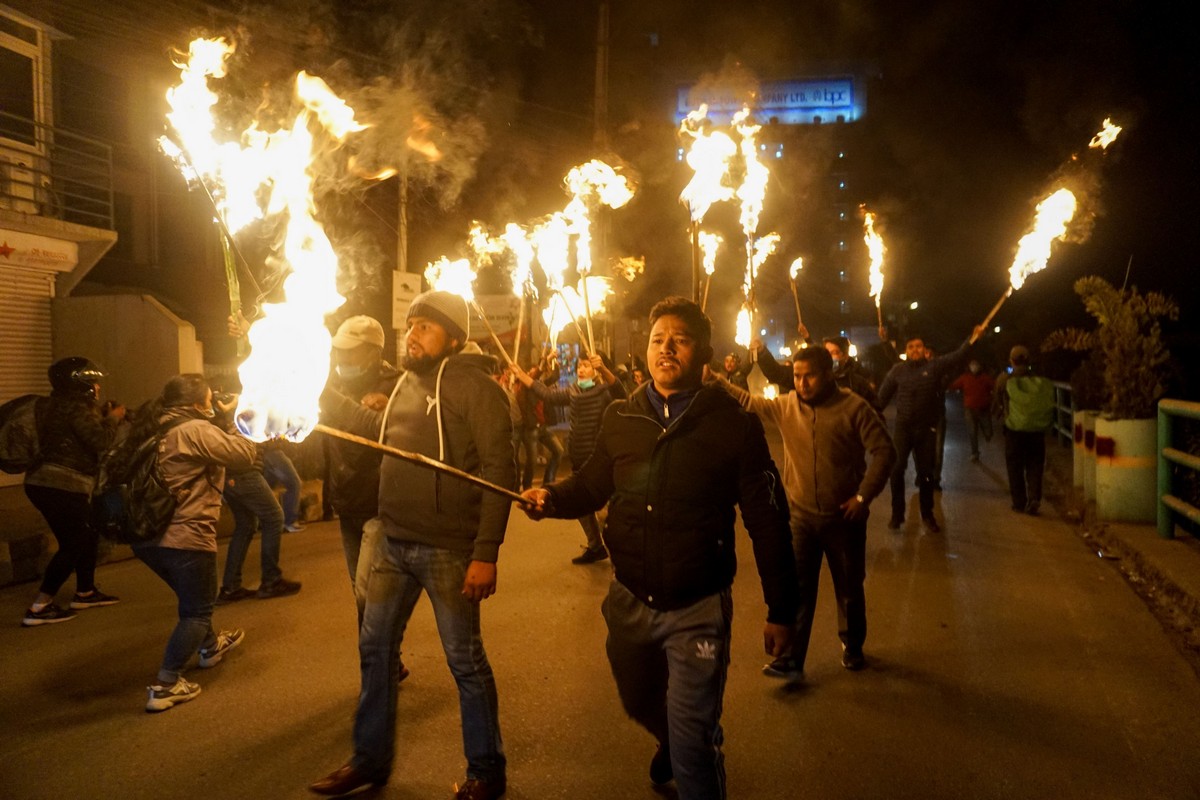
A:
(6, 251)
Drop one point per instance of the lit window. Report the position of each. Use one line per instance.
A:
(841, 184)
(845, 306)
(843, 278)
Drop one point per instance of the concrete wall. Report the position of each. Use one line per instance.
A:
(140, 344)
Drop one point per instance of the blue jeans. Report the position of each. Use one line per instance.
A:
(531, 438)
(358, 536)
(253, 504)
(843, 544)
(192, 575)
(400, 572)
(670, 669)
(279, 470)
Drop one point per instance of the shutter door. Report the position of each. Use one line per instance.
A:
(25, 331)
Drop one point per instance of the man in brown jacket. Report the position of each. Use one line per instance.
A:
(828, 434)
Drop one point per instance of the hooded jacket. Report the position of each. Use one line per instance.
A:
(454, 413)
(587, 410)
(192, 458)
(671, 494)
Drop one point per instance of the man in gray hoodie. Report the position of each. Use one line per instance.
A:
(442, 537)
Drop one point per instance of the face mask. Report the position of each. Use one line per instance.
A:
(589, 383)
(836, 363)
(349, 373)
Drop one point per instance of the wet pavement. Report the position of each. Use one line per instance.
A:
(1006, 661)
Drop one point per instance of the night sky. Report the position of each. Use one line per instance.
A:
(972, 110)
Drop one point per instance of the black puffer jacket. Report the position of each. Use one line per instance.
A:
(670, 527)
(353, 468)
(587, 412)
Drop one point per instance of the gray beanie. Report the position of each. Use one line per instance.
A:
(448, 310)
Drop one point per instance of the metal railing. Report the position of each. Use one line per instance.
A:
(1064, 413)
(1169, 504)
(52, 172)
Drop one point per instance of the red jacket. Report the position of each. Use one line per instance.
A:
(976, 389)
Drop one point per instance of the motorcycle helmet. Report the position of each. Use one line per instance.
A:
(75, 375)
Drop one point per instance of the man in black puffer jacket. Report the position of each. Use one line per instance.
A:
(672, 462)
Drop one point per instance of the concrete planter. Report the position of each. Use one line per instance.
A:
(1085, 453)
(1126, 469)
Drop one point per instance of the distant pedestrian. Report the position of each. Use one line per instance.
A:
(536, 432)
(976, 387)
(192, 459)
(917, 387)
(596, 386)
(837, 459)
(847, 372)
(1026, 404)
(73, 434)
(279, 470)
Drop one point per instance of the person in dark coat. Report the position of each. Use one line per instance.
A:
(673, 462)
(73, 434)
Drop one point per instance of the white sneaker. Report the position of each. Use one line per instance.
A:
(226, 641)
(163, 697)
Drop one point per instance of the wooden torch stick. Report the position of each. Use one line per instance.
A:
(520, 324)
(570, 313)
(707, 283)
(587, 314)
(1007, 294)
(421, 460)
(491, 332)
(796, 298)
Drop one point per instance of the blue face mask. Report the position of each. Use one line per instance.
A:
(349, 373)
(586, 384)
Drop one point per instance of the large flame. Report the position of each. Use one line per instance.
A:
(456, 277)
(742, 328)
(710, 243)
(1106, 135)
(877, 251)
(753, 189)
(1050, 224)
(518, 242)
(709, 156)
(269, 175)
(764, 247)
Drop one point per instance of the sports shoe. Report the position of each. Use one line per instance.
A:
(590, 555)
(475, 789)
(280, 588)
(853, 660)
(931, 524)
(295, 527)
(163, 697)
(226, 641)
(233, 595)
(661, 771)
(47, 616)
(94, 600)
(787, 668)
(895, 523)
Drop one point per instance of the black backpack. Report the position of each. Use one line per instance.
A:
(131, 503)
(19, 422)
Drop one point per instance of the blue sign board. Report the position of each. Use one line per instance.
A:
(806, 101)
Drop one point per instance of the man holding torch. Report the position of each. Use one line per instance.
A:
(672, 461)
(916, 385)
(442, 537)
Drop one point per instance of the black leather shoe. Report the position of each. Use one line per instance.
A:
(931, 524)
(661, 771)
(475, 789)
(344, 780)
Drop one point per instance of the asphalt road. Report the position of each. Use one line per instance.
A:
(1006, 661)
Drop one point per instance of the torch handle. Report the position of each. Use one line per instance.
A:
(421, 460)
(491, 332)
(587, 314)
(796, 298)
(707, 284)
(520, 324)
(879, 313)
(570, 313)
(1007, 294)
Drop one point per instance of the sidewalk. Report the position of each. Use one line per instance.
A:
(1165, 573)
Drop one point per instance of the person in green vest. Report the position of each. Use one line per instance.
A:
(1026, 404)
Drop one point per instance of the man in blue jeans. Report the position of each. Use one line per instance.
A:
(279, 470)
(441, 536)
(673, 461)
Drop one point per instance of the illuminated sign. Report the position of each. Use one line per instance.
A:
(808, 101)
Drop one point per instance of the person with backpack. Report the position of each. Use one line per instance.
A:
(192, 456)
(1026, 404)
(73, 433)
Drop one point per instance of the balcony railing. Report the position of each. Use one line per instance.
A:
(52, 172)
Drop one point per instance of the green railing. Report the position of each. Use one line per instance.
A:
(1064, 413)
(1169, 504)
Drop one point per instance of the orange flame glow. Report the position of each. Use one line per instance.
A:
(877, 251)
(1106, 135)
(1050, 224)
